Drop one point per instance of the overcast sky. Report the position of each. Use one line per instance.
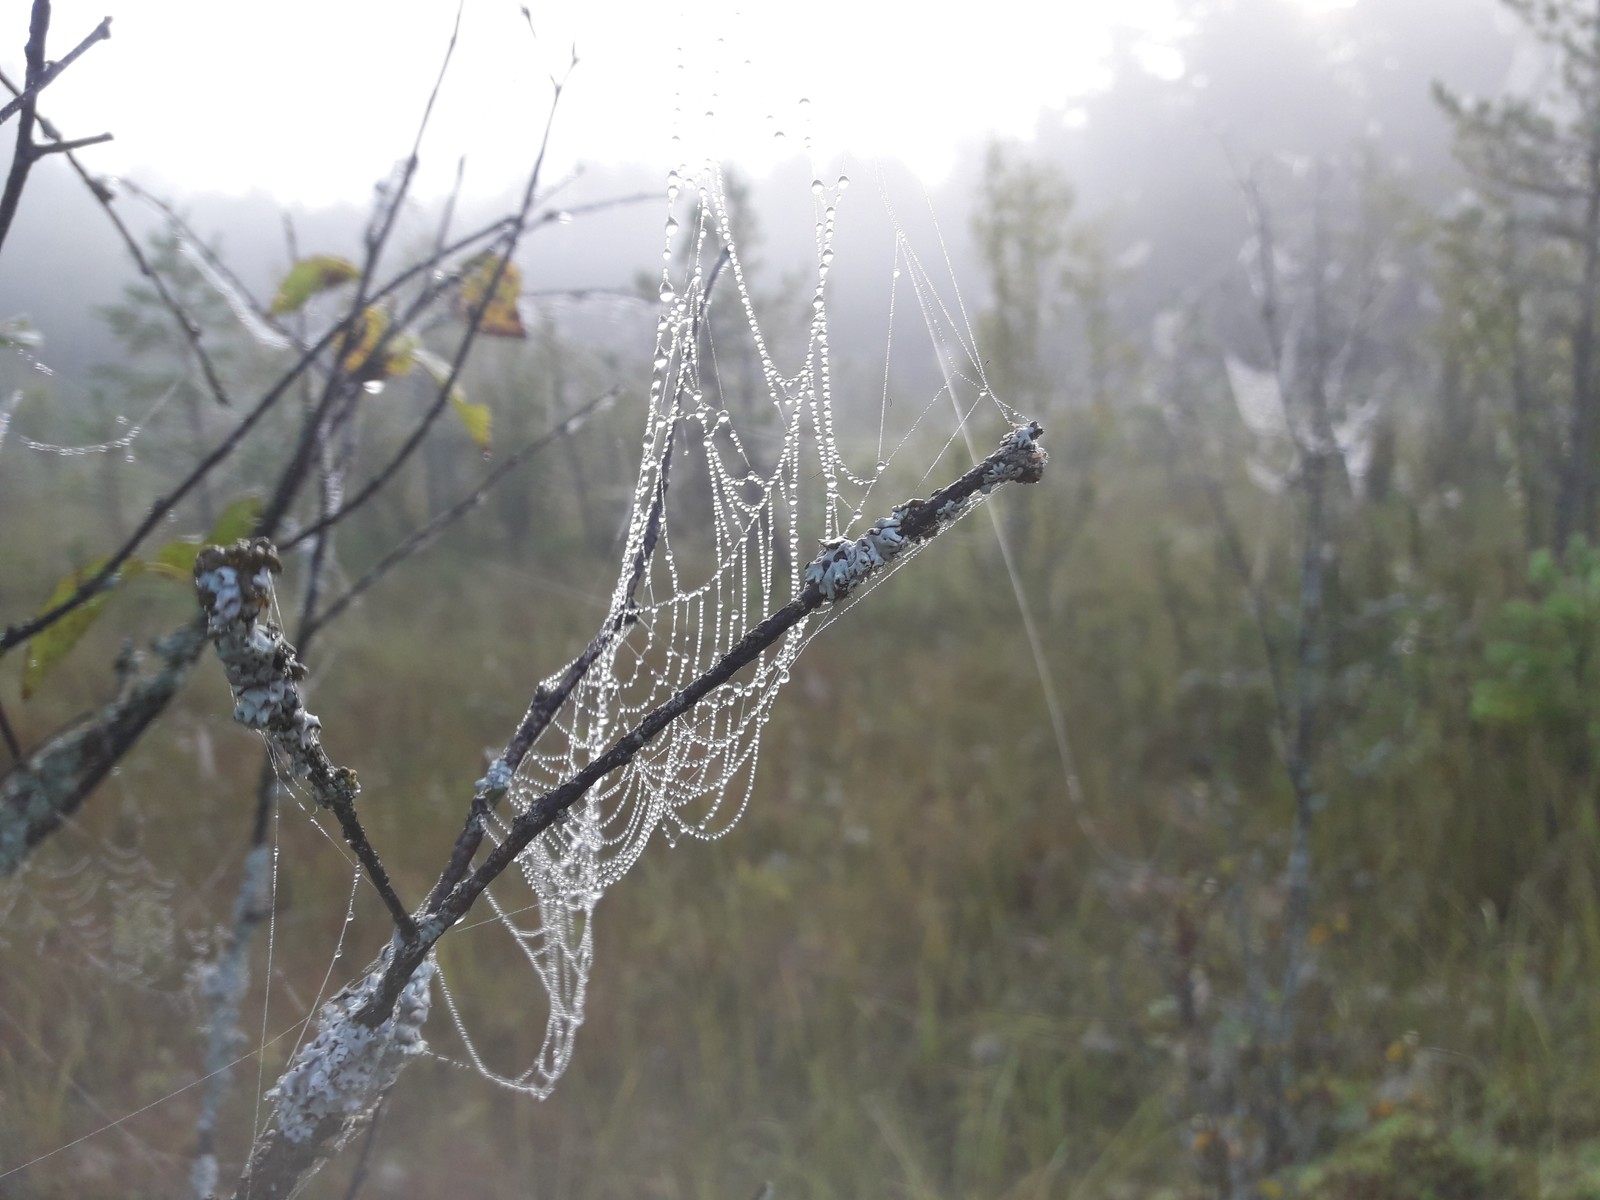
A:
(313, 100)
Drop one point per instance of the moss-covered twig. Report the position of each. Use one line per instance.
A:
(235, 587)
(44, 789)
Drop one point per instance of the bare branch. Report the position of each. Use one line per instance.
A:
(75, 144)
(52, 72)
(450, 205)
(104, 196)
(389, 212)
(22, 159)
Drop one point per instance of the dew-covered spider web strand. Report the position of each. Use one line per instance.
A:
(726, 516)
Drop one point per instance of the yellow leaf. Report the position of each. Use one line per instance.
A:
(308, 277)
(500, 316)
(475, 417)
(359, 341)
(50, 645)
(359, 352)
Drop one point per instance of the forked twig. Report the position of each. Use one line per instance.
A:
(52, 72)
(23, 157)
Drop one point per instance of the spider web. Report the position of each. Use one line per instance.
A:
(723, 538)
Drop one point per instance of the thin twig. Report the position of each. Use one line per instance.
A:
(337, 451)
(68, 147)
(10, 737)
(23, 157)
(390, 213)
(548, 699)
(474, 322)
(363, 1168)
(450, 205)
(52, 72)
(377, 238)
(16, 634)
(583, 293)
(547, 702)
(563, 214)
(104, 197)
(419, 538)
(191, 237)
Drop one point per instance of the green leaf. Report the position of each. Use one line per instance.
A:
(475, 417)
(47, 648)
(308, 277)
(237, 521)
(175, 560)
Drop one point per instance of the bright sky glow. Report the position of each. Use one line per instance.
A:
(313, 100)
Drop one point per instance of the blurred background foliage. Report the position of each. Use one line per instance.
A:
(1314, 560)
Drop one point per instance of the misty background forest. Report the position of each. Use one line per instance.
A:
(1222, 819)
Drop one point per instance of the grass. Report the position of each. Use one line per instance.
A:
(907, 973)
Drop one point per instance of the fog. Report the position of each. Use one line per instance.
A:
(1153, 119)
